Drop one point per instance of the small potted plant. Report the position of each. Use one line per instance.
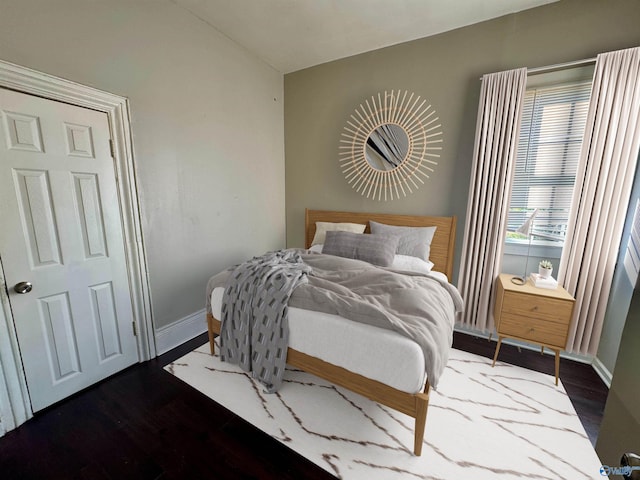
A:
(545, 268)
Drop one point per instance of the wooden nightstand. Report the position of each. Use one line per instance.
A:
(536, 315)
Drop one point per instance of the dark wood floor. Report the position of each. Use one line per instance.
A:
(146, 424)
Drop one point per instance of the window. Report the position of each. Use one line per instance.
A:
(551, 132)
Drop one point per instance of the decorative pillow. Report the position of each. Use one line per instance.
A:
(323, 227)
(376, 249)
(413, 241)
(411, 264)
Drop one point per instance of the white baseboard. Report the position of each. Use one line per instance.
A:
(186, 328)
(180, 331)
(602, 371)
(576, 357)
(595, 362)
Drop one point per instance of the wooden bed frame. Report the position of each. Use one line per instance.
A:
(442, 249)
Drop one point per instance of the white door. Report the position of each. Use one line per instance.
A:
(61, 246)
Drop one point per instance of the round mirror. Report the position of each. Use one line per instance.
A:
(390, 145)
(387, 147)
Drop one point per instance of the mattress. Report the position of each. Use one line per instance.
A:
(373, 352)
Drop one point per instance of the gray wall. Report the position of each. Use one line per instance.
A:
(444, 69)
(621, 293)
(208, 118)
(207, 122)
(620, 428)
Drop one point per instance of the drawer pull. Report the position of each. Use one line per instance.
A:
(534, 309)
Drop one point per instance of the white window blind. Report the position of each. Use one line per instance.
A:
(551, 132)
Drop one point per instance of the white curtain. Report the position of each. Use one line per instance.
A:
(497, 130)
(603, 187)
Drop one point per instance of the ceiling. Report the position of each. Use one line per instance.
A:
(294, 34)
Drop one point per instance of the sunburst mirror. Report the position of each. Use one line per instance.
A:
(390, 145)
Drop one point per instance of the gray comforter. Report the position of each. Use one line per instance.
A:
(418, 306)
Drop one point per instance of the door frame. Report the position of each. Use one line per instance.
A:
(26, 80)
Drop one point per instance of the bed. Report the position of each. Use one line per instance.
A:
(408, 395)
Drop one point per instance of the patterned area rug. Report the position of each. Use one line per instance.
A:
(483, 423)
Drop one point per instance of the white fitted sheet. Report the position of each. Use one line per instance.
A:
(375, 353)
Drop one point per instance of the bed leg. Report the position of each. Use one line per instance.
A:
(212, 336)
(422, 403)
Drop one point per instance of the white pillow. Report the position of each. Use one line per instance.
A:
(317, 248)
(323, 227)
(411, 264)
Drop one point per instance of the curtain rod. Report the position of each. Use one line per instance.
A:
(559, 66)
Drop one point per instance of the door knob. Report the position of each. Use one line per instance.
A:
(23, 287)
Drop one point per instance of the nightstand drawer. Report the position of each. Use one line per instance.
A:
(534, 329)
(551, 309)
(535, 315)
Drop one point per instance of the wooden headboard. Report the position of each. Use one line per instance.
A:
(442, 245)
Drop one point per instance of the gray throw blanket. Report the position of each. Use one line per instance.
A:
(254, 330)
(421, 307)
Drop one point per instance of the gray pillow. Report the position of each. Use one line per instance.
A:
(414, 241)
(376, 249)
(323, 227)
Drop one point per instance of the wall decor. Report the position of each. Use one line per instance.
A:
(390, 145)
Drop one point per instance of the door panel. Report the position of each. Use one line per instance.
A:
(61, 230)
(36, 214)
(88, 206)
(59, 336)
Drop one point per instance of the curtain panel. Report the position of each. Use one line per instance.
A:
(602, 191)
(497, 130)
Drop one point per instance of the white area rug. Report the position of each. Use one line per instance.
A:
(483, 423)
